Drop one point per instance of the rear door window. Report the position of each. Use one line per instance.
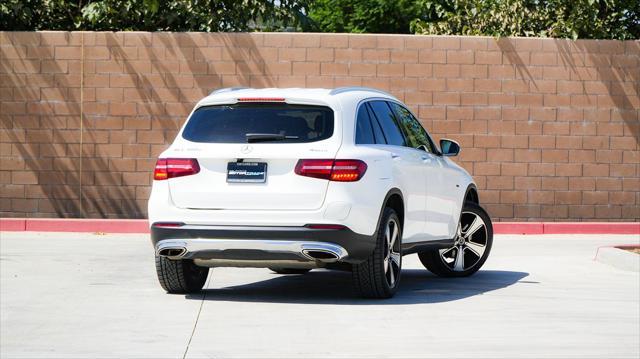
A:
(387, 121)
(231, 123)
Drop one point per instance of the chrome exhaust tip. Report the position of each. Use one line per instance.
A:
(172, 252)
(321, 254)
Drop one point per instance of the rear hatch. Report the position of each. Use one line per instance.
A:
(247, 153)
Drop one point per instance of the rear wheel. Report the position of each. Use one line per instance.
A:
(379, 275)
(473, 241)
(290, 270)
(180, 276)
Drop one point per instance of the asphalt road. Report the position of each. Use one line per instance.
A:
(86, 295)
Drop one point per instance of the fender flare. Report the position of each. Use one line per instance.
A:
(390, 193)
(471, 187)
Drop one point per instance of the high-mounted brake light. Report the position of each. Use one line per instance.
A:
(175, 167)
(261, 99)
(332, 170)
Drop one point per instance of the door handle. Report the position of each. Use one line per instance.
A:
(393, 155)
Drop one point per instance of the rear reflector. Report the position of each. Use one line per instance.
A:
(261, 99)
(175, 167)
(168, 224)
(333, 170)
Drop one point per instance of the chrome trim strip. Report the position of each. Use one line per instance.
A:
(241, 228)
(298, 248)
(240, 263)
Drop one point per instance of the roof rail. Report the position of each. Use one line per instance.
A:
(340, 90)
(227, 89)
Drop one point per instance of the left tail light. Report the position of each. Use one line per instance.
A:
(175, 167)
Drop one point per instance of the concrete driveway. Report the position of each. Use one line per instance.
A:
(86, 295)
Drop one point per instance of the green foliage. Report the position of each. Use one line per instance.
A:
(591, 19)
(362, 16)
(596, 19)
(38, 14)
(152, 15)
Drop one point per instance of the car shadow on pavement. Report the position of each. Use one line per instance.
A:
(335, 287)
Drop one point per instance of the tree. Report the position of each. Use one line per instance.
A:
(590, 19)
(152, 15)
(362, 16)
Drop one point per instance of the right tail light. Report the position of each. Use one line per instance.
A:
(332, 170)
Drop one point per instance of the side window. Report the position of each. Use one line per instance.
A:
(388, 123)
(416, 135)
(377, 130)
(364, 132)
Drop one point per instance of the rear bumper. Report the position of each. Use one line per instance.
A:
(255, 246)
(346, 203)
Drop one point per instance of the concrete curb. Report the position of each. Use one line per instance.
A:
(142, 226)
(619, 258)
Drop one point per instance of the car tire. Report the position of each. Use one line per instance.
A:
(180, 276)
(290, 270)
(379, 275)
(470, 250)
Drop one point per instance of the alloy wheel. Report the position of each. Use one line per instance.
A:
(392, 253)
(469, 246)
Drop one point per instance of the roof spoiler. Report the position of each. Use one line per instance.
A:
(227, 89)
(340, 90)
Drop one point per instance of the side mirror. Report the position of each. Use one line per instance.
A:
(449, 147)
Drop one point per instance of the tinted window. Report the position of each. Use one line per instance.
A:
(364, 132)
(414, 132)
(377, 130)
(230, 123)
(388, 123)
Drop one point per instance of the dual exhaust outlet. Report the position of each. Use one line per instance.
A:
(315, 254)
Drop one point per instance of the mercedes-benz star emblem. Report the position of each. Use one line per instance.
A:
(246, 149)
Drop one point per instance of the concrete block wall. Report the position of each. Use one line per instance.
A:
(549, 128)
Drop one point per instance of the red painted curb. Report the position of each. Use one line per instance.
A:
(142, 226)
(74, 225)
(13, 224)
(592, 228)
(518, 228)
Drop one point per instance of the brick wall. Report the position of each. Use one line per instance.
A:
(550, 129)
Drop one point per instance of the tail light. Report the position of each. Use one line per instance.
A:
(175, 167)
(332, 170)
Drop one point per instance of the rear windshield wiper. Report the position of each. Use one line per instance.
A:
(263, 137)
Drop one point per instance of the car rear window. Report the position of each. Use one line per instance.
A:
(231, 123)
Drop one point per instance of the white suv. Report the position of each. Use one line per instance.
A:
(296, 179)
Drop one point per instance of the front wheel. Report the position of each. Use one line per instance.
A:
(471, 248)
